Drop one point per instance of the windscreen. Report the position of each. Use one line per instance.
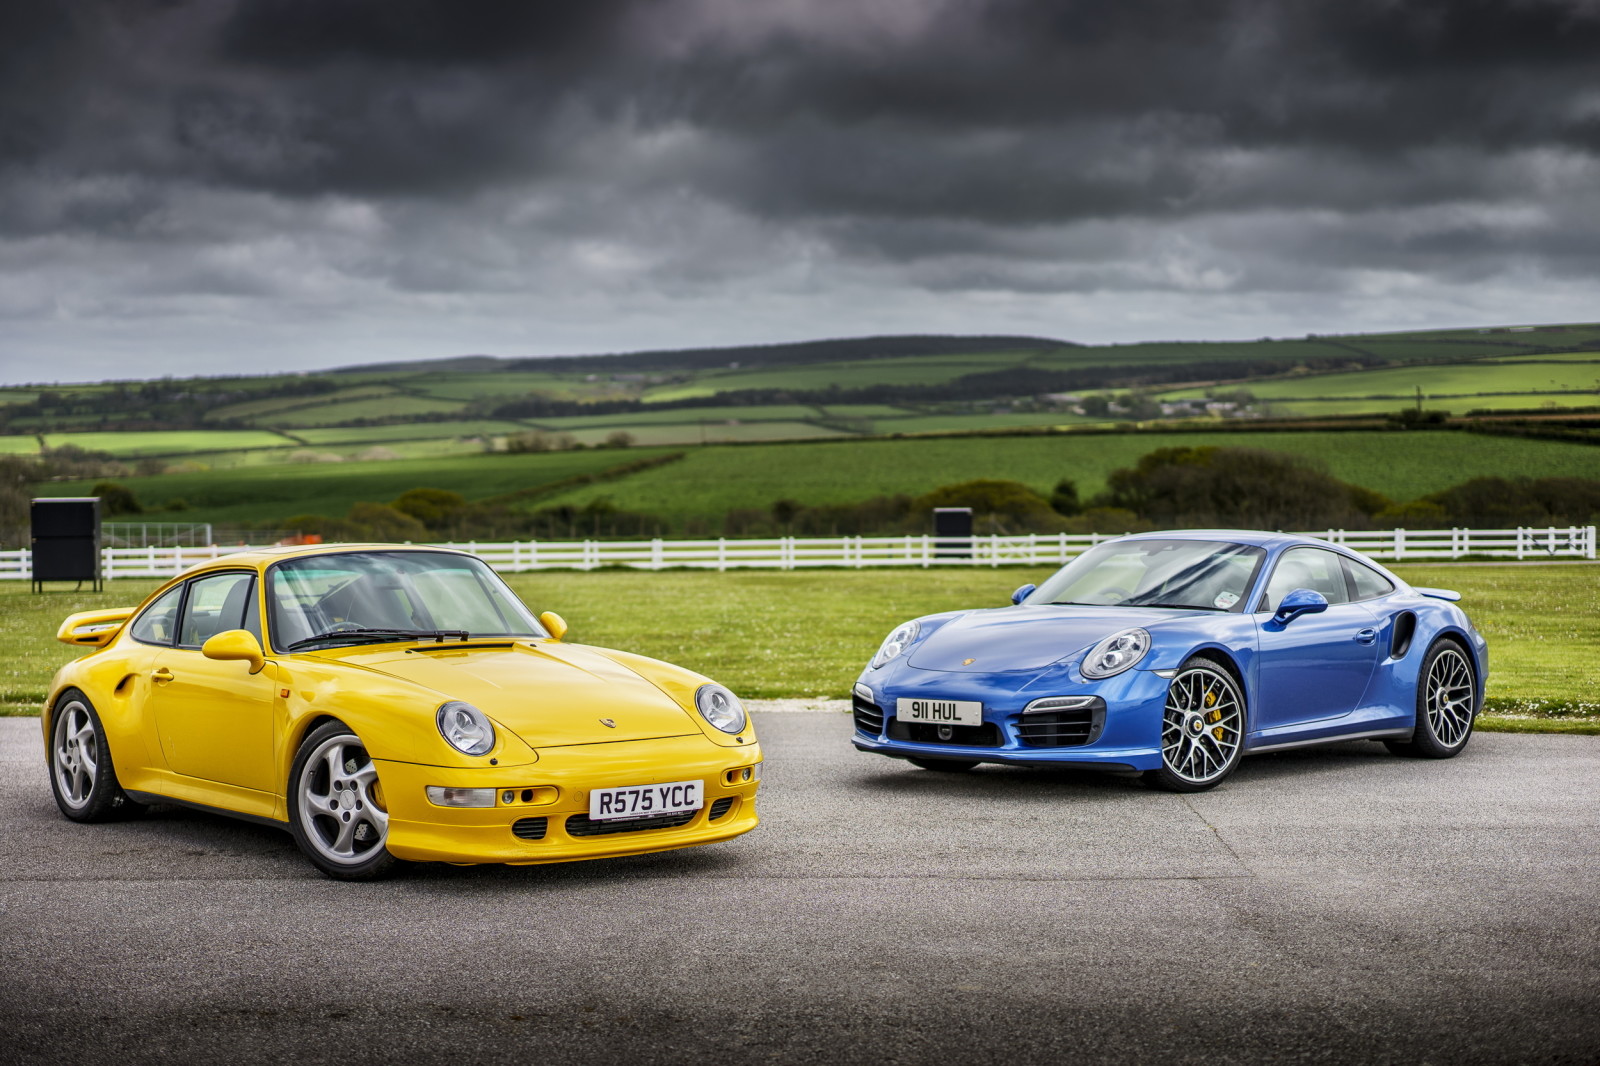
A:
(398, 592)
(1209, 575)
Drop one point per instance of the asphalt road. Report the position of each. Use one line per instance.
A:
(1340, 905)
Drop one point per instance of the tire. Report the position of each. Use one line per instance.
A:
(944, 766)
(1202, 728)
(81, 773)
(1447, 694)
(336, 810)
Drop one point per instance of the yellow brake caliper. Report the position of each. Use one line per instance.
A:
(1213, 716)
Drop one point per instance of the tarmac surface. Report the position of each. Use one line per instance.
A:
(1331, 905)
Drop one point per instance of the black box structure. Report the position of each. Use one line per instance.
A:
(66, 540)
(952, 522)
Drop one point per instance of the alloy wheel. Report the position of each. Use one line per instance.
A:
(341, 805)
(1202, 725)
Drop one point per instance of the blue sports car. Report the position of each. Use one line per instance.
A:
(1175, 654)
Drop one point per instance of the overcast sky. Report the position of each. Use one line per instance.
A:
(215, 187)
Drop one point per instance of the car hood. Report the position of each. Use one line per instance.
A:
(1025, 638)
(548, 694)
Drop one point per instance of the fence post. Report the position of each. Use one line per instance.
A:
(1521, 536)
(655, 554)
(1400, 543)
(722, 553)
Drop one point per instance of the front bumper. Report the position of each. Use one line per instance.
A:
(1127, 738)
(556, 789)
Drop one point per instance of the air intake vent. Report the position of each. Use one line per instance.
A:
(531, 828)
(580, 825)
(719, 808)
(869, 716)
(986, 735)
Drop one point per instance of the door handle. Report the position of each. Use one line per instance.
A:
(161, 676)
(1366, 636)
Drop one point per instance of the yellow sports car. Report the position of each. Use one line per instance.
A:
(385, 702)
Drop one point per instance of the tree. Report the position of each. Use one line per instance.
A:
(1064, 498)
(434, 508)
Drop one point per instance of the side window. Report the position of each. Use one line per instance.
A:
(216, 604)
(1306, 568)
(1367, 582)
(158, 623)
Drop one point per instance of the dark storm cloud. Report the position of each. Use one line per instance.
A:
(277, 156)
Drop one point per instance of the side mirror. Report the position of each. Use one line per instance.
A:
(235, 644)
(554, 623)
(1297, 603)
(1023, 593)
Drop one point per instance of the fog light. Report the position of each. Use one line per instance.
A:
(442, 796)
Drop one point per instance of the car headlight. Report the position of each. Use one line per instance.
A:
(720, 707)
(896, 643)
(1116, 653)
(465, 728)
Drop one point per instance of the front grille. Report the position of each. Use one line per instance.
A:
(1062, 729)
(986, 735)
(869, 716)
(719, 808)
(581, 825)
(530, 828)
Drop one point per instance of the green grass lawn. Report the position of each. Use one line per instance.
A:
(1455, 380)
(775, 634)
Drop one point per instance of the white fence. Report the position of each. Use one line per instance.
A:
(792, 553)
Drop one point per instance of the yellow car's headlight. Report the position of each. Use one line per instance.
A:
(720, 707)
(465, 728)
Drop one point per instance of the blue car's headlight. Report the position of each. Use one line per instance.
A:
(720, 707)
(1116, 653)
(466, 728)
(896, 643)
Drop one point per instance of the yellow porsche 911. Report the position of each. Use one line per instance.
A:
(385, 702)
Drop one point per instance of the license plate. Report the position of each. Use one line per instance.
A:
(642, 801)
(940, 712)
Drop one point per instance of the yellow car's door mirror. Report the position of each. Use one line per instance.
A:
(554, 623)
(235, 644)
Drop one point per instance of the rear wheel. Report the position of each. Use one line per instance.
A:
(1202, 728)
(946, 766)
(336, 808)
(1447, 695)
(81, 774)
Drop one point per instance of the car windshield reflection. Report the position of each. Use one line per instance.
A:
(1195, 575)
(376, 596)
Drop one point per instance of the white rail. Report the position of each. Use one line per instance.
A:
(794, 553)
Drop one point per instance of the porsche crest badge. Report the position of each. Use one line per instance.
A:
(968, 662)
(608, 723)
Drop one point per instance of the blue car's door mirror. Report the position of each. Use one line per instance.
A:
(1297, 603)
(1023, 593)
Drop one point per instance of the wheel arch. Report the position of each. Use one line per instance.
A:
(1224, 658)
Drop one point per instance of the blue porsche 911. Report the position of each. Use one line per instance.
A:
(1176, 654)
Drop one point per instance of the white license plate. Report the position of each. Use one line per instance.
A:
(642, 801)
(940, 712)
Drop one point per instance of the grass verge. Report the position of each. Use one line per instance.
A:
(775, 634)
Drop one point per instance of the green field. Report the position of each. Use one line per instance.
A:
(1437, 382)
(19, 445)
(967, 423)
(777, 634)
(904, 371)
(494, 385)
(250, 409)
(394, 406)
(791, 412)
(1402, 466)
(408, 431)
(169, 442)
(710, 433)
(268, 493)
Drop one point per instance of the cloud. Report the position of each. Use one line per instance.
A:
(322, 179)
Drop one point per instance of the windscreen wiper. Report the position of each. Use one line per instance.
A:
(360, 632)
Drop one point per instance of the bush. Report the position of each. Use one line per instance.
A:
(434, 508)
(116, 499)
(1237, 487)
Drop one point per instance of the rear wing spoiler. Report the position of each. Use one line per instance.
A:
(1438, 594)
(93, 629)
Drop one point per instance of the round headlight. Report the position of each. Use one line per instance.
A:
(1116, 653)
(720, 707)
(896, 643)
(465, 728)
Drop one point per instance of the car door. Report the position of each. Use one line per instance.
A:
(1317, 666)
(215, 718)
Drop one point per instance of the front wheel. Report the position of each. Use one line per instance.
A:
(1202, 728)
(336, 808)
(1446, 704)
(81, 774)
